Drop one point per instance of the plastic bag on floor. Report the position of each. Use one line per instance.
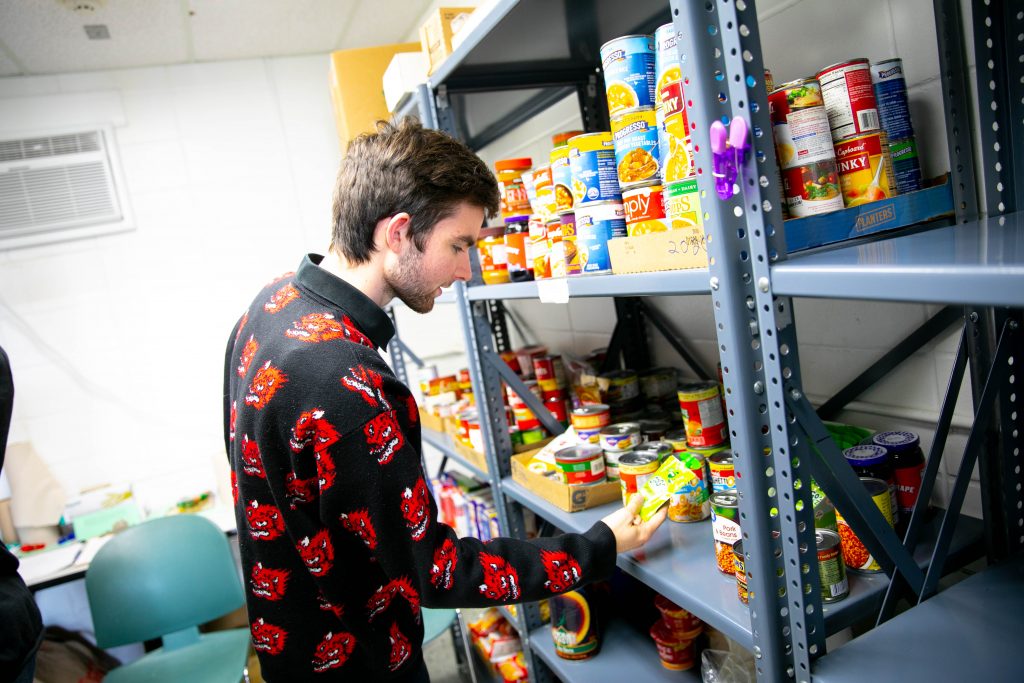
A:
(66, 657)
(719, 666)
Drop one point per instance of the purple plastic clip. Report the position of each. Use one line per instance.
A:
(727, 150)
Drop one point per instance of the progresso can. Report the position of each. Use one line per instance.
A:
(894, 114)
(725, 526)
(628, 65)
(593, 170)
(831, 570)
(855, 554)
(595, 225)
(849, 98)
(865, 169)
(637, 157)
(645, 210)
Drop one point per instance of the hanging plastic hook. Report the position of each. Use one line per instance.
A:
(727, 150)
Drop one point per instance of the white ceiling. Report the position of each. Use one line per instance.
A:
(48, 36)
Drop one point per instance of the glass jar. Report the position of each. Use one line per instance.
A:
(871, 460)
(518, 248)
(493, 261)
(907, 467)
(514, 200)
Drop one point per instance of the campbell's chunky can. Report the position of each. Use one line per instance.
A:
(849, 98)
(865, 169)
(645, 210)
(593, 170)
(628, 65)
(636, 147)
(812, 189)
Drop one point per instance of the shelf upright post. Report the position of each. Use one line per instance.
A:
(723, 78)
(395, 352)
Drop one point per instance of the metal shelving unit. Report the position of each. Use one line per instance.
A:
(444, 443)
(490, 85)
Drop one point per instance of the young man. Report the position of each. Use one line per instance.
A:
(339, 537)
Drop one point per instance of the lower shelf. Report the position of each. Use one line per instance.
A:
(626, 655)
(446, 445)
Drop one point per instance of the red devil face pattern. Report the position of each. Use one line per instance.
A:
(562, 569)
(265, 521)
(248, 354)
(326, 606)
(316, 327)
(324, 470)
(317, 553)
(241, 326)
(252, 463)
(267, 637)
(234, 488)
(312, 428)
(265, 384)
(442, 572)
(333, 651)
(414, 412)
(358, 522)
(416, 509)
(231, 420)
(382, 598)
(353, 334)
(267, 583)
(368, 384)
(281, 298)
(501, 581)
(400, 648)
(299, 490)
(384, 437)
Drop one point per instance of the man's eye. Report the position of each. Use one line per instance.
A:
(457, 248)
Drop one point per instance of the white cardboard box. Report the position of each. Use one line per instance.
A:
(404, 73)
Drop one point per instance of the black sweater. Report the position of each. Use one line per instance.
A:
(339, 537)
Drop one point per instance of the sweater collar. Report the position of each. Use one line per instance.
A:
(367, 315)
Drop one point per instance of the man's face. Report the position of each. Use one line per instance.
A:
(417, 277)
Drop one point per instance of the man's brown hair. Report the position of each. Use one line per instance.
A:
(405, 167)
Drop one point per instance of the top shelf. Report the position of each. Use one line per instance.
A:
(636, 284)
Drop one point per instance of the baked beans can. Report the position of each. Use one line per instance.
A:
(628, 65)
(539, 247)
(635, 468)
(906, 166)
(725, 527)
(701, 408)
(570, 248)
(561, 179)
(855, 553)
(588, 421)
(595, 225)
(831, 570)
(682, 204)
(580, 465)
(645, 210)
(740, 563)
(549, 371)
(691, 502)
(658, 382)
(800, 125)
(849, 98)
(865, 169)
(624, 436)
(723, 471)
(666, 59)
(636, 147)
(812, 189)
(618, 385)
(593, 170)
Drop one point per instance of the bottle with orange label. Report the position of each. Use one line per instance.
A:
(514, 200)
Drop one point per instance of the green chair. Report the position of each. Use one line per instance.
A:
(436, 622)
(161, 579)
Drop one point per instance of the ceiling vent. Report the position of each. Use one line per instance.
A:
(59, 187)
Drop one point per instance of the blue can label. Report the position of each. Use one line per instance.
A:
(891, 96)
(636, 147)
(906, 166)
(629, 76)
(593, 230)
(594, 174)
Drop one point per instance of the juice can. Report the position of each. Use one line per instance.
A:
(725, 526)
(831, 570)
(580, 465)
(701, 408)
(800, 124)
(573, 626)
(634, 471)
(865, 169)
(645, 210)
(592, 168)
(723, 471)
(628, 65)
(682, 204)
(595, 225)
(849, 98)
(855, 554)
(637, 156)
(624, 436)
(561, 179)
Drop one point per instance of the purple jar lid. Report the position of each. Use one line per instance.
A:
(866, 455)
(896, 441)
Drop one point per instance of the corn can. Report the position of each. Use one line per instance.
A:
(624, 436)
(636, 147)
(725, 527)
(865, 169)
(831, 570)
(628, 65)
(692, 501)
(561, 179)
(701, 408)
(634, 471)
(855, 554)
(592, 169)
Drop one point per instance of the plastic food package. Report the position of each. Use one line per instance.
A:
(671, 476)
(719, 666)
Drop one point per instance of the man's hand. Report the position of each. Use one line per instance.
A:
(630, 531)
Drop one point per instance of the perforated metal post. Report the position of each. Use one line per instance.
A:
(723, 78)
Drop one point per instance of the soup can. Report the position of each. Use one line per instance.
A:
(624, 436)
(557, 405)
(855, 554)
(580, 465)
(692, 501)
(574, 629)
(618, 386)
(666, 60)
(675, 145)
(636, 147)
(611, 464)
(588, 421)
(549, 371)
(658, 382)
(800, 124)
(725, 527)
(865, 169)
(891, 98)
(595, 225)
(635, 468)
(660, 449)
(628, 65)
(561, 179)
(906, 166)
(831, 570)
(682, 204)
(849, 98)
(645, 210)
(539, 247)
(653, 429)
(723, 472)
(677, 438)
(592, 168)
(740, 562)
(812, 189)
(701, 407)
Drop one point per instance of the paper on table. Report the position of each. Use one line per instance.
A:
(42, 564)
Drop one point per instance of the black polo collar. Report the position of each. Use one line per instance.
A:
(368, 316)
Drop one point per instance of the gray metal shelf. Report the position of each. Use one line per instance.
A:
(444, 443)
(635, 284)
(626, 655)
(969, 632)
(980, 262)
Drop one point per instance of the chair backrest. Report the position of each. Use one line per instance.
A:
(159, 577)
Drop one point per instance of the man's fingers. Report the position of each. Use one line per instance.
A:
(636, 502)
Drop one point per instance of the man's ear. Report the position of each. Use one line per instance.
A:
(396, 230)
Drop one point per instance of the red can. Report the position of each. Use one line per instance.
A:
(849, 98)
(555, 402)
(464, 377)
(550, 372)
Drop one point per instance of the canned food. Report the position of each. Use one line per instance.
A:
(678, 440)
(675, 146)
(653, 429)
(907, 466)
(569, 247)
(849, 98)
(636, 147)
(855, 554)
(740, 562)
(723, 472)
(666, 60)
(701, 408)
(544, 191)
(824, 510)
(624, 436)
(800, 124)
(539, 248)
(561, 179)
(678, 620)
(592, 168)
(595, 225)
(891, 98)
(525, 356)
(549, 371)
(493, 261)
(573, 626)
(906, 166)
(580, 465)
(831, 570)
(658, 382)
(872, 460)
(692, 501)
(725, 526)
(659, 449)
(865, 169)
(514, 200)
(645, 210)
(611, 464)
(635, 468)
(474, 436)
(556, 253)
(618, 386)
(812, 189)
(462, 420)
(682, 204)
(628, 65)
(557, 405)
(769, 80)
(588, 421)
(517, 248)
(678, 652)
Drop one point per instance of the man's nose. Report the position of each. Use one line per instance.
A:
(463, 271)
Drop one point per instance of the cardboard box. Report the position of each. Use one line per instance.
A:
(430, 421)
(436, 34)
(356, 91)
(568, 498)
(404, 73)
(477, 458)
(673, 250)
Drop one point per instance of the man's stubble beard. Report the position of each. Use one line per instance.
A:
(404, 281)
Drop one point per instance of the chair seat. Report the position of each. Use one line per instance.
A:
(218, 657)
(436, 622)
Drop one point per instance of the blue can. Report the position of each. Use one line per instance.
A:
(906, 166)
(593, 169)
(891, 97)
(629, 77)
(595, 225)
(636, 147)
